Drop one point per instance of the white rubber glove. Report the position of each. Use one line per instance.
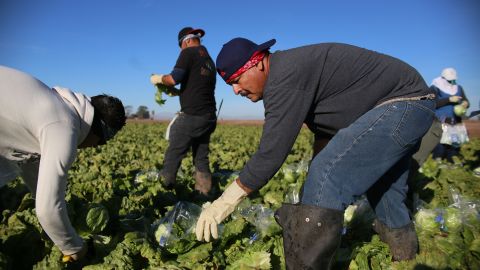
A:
(156, 79)
(215, 213)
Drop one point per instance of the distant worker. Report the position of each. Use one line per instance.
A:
(192, 127)
(374, 107)
(452, 104)
(39, 142)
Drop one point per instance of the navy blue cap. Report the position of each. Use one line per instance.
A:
(236, 53)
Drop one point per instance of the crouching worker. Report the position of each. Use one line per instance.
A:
(40, 131)
(373, 108)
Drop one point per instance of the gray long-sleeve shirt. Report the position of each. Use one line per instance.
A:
(327, 86)
(40, 129)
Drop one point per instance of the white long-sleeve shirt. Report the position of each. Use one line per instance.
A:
(40, 129)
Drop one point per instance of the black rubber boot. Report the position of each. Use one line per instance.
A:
(403, 242)
(168, 181)
(203, 182)
(311, 235)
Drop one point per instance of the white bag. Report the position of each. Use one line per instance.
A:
(454, 135)
(167, 133)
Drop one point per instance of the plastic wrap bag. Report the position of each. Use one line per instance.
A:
(468, 210)
(147, 176)
(292, 171)
(450, 219)
(176, 231)
(292, 195)
(427, 220)
(294, 175)
(454, 135)
(358, 216)
(259, 216)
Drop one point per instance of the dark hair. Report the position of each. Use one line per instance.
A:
(108, 111)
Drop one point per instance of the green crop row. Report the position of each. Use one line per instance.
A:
(118, 206)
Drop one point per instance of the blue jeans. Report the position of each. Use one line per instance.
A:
(372, 157)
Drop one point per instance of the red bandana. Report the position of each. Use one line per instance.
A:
(256, 57)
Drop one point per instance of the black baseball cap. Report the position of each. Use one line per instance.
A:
(235, 53)
(188, 30)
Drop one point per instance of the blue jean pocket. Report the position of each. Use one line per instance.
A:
(414, 114)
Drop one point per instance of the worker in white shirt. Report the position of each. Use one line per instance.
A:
(40, 131)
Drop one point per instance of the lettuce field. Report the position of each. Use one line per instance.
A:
(116, 203)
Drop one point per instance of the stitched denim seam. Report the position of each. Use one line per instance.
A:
(386, 209)
(355, 141)
(421, 106)
(395, 133)
(409, 107)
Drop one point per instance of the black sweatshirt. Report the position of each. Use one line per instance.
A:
(327, 86)
(197, 94)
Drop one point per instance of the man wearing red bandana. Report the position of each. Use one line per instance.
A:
(368, 112)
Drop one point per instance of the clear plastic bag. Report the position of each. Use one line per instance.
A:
(294, 175)
(450, 219)
(454, 135)
(358, 216)
(259, 216)
(468, 208)
(428, 220)
(147, 176)
(176, 230)
(292, 171)
(292, 195)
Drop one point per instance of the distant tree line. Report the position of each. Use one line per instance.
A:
(141, 113)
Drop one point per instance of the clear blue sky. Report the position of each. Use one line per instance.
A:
(94, 46)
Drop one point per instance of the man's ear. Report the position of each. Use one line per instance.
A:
(261, 65)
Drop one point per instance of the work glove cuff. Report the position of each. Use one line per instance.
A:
(230, 198)
(156, 79)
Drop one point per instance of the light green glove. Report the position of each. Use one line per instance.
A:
(156, 79)
(213, 214)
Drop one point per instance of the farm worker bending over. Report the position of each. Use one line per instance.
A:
(40, 131)
(374, 107)
(192, 127)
